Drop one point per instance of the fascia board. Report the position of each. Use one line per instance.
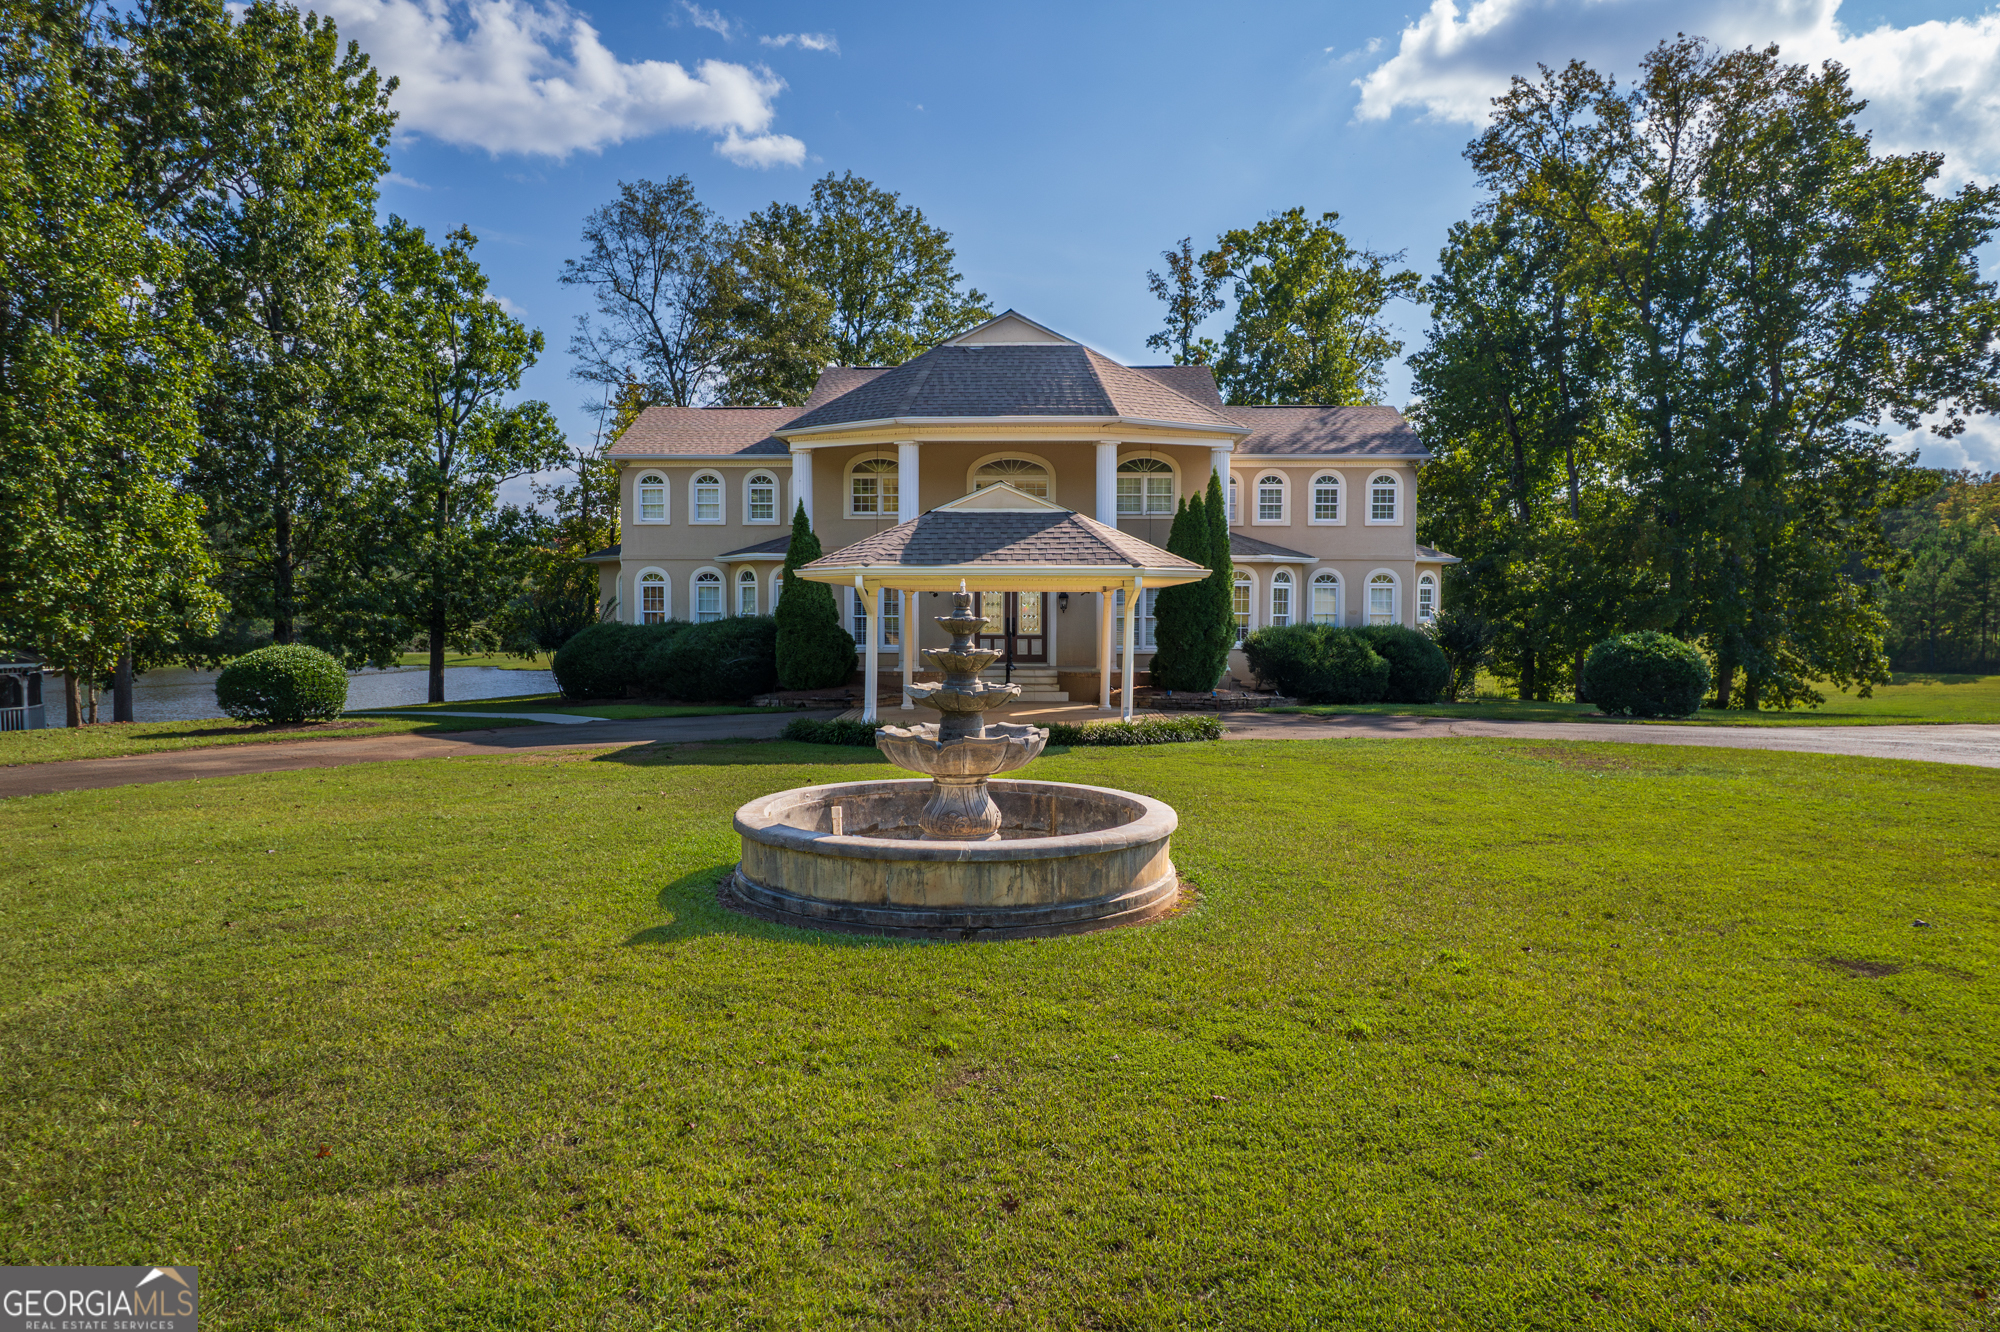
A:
(1333, 457)
(800, 438)
(929, 578)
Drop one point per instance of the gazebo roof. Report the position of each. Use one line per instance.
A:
(1002, 537)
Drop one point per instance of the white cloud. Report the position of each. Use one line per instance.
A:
(508, 306)
(1933, 85)
(407, 182)
(708, 18)
(531, 76)
(1977, 448)
(805, 41)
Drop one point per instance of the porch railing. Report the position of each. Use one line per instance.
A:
(22, 719)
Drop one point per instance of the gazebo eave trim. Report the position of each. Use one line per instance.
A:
(1013, 577)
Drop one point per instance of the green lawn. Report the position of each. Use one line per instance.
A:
(498, 660)
(554, 703)
(111, 739)
(1908, 700)
(1457, 1034)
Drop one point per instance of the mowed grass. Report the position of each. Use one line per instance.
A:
(1456, 1034)
(554, 703)
(501, 661)
(1910, 699)
(113, 739)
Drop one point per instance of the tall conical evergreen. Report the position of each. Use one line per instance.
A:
(1181, 654)
(814, 651)
(1219, 612)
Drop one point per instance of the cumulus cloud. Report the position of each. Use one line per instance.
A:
(709, 18)
(1932, 85)
(805, 41)
(532, 76)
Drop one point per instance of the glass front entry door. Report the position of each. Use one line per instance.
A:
(1023, 616)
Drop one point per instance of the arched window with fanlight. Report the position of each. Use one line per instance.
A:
(1271, 498)
(760, 498)
(1024, 474)
(652, 498)
(707, 497)
(1145, 488)
(1427, 591)
(872, 489)
(1239, 603)
(1382, 599)
(1326, 598)
(1281, 598)
(707, 596)
(1382, 498)
(746, 592)
(1233, 510)
(1326, 498)
(653, 599)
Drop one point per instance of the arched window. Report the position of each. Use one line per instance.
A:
(1326, 598)
(707, 497)
(652, 498)
(1271, 498)
(707, 596)
(872, 491)
(746, 592)
(652, 597)
(1326, 498)
(1281, 597)
(1382, 599)
(1145, 486)
(777, 588)
(1382, 499)
(760, 498)
(1233, 510)
(1023, 474)
(1240, 603)
(1426, 597)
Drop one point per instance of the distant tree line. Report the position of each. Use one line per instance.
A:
(1944, 614)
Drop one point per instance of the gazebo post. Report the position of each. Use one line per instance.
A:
(908, 647)
(871, 663)
(1133, 600)
(1104, 597)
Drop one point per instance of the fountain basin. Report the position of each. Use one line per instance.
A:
(1068, 858)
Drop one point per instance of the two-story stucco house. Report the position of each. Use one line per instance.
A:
(1322, 499)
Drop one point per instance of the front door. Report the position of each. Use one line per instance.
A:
(1019, 616)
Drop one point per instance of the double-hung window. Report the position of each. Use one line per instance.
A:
(652, 498)
(707, 597)
(872, 490)
(1426, 597)
(652, 598)
(1382, 499)
(1326, 598)
(890, 608)
(1271, 498)
(1240, 604)
(1382, 599)
(1281, 598)
(746, 592)
(1326, 498)
(761, 498)
(1142, 632)
(708, 498)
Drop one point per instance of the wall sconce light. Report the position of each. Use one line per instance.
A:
(1062, 601)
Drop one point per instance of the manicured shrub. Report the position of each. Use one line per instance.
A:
(1418, 671)
(608, 659)
(1466, 639)
(1646, 674)
(815, 651)
(283, 683)
(813, 731)
(1189, 652)
(1152, 731)
(719, 661)
(1317, 663)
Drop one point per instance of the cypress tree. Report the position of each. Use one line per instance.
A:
(814, 650)
(1180, 651)
(1218, 620)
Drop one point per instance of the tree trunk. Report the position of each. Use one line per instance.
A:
(1527, 690)
(1725, 681)
(1582, 695)
(283, 610)
(121, 690)
(1751, 691)
(72, 702)
(90, 693)
(437, 655)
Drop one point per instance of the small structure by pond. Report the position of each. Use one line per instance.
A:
(21, 707)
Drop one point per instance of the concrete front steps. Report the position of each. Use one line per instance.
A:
(1038, 683)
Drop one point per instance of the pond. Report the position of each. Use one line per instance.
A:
(183, 695)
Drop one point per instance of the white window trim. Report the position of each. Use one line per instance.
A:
(721, 497)
(1180, 489)
(1437, 596)
(666, 497)
(1291, 584)
(722, 590)
(1284, 518)
(1233, 500)
(1340, 503)
(746, 578)
(847, 606)
(1339, 596)
(1255, 601)
(1368, 517)
(1024, 456)
(639, 596)
(777, 498)
(1367, 582)
(777, 590)
(892, 512)
(1139, 649)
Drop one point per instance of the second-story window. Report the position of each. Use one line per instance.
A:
(1326, 498)
(1382, 499)
(1233, 519)
(1145, 486)
(872, 490)
(652, 498)
(1270, 498)
(708, 498)
(761, 497)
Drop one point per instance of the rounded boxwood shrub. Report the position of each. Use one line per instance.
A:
(283, 683)
(1418, 670)
(1646, 674)
(721, 660)
(607, 660)
(1317, 663)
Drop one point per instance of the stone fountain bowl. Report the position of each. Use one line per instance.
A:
(1069, 858)
(1005, 747)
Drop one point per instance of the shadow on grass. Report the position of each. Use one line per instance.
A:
(695, 753)
(695, 913)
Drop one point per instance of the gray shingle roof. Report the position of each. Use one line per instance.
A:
(1428, 553)
(703, 432)
(1364, 431)
(601, 556)
(777, 545)
(1240, 545)
(1194, 381)
(1050, 538)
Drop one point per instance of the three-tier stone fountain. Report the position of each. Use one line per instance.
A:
(957, 853)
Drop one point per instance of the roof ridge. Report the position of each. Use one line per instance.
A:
(1096, 356)
(918, 381)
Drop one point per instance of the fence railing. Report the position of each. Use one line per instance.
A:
(22, 719)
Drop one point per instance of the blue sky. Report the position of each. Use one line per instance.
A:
(1063, 145)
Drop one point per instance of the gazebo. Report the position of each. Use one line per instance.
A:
(999, 536)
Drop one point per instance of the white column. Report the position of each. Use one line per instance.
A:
(909, 647)
(906, 480)
(802, 482)
(871, 660)
(1104, 607)
(1218, 462)
(1107, 482)
(1133, 596)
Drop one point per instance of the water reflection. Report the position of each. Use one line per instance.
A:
(183, 695)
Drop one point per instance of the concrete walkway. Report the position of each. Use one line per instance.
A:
(1977, 745)
(547, 718)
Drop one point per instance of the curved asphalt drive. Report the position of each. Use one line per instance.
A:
(1978, 745)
